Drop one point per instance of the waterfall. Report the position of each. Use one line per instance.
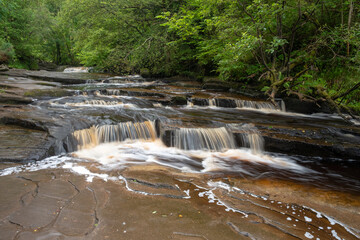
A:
(95, 135)
(216, 139)
(239, 103)
(76, 70)
(189, 104)
(255, 104)
(254, 141)
(281, 104)
(249, 136)
(115, 92)
(212, 102)
(95, 102)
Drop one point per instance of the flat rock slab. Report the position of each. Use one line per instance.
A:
(19, 144)
(8, 230)
(12, 197)
(47, 204)
(14, 99)
(9, 82)
(63, 205)
(61, 77)
(79, 216)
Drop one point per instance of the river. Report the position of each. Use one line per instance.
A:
(220, 160)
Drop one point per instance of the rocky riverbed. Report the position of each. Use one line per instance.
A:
(93, 156)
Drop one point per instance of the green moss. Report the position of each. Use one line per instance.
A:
(46, 84)
(179, 100)
(47, 93)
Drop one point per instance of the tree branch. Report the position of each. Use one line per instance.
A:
(347, 92)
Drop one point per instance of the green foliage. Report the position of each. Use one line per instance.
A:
(124, 37)
(289, 46)
(7, 53)
(32, 28)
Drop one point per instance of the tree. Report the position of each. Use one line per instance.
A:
(285, 43)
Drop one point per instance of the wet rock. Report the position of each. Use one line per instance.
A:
(273, 144)
(79, 216)
(200, 101)
(231, 208)
(14, 99)
(296, 105)
(227, 103)
(56, 77)
(167, 137)
(215, 87)
(178, 100)
(47, 204)
(48, 66)
(4, 68)
(48, 93)
(23, 144)
(65, 78)
(12, 197)
(8, 230)
(48, 235)
(36, 125)
(151, 183)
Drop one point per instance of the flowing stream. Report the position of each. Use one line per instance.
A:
(179, 126)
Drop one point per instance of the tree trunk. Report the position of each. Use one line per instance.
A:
(58, 53)
(351, 9)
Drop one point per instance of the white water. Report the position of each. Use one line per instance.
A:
(121, 154)
(95, 135)
(255, 105)
(102, 103)
(203, 138)
(76, 70)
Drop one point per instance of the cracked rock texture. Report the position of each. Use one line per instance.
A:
(57, 204)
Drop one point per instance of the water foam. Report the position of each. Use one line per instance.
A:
(121, 154)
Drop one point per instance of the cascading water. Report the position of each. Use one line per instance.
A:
(190, 104)
(250, 137)
(96, 102)
(102, 103)
(212, 102)
(255, 104)
(76, 70)
(217, 139)
(115, 92)
(135, 155)
(95, 135)
(242, 104)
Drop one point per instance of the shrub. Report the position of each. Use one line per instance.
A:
(7, 53)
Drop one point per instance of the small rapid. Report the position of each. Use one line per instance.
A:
(77, 70)
(96, 135)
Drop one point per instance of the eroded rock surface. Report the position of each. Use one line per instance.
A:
(63, 205)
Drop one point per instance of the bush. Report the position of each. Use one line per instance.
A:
(7, 53)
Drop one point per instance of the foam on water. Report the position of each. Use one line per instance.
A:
(120, 154)
(48, 163)
(102, 103)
